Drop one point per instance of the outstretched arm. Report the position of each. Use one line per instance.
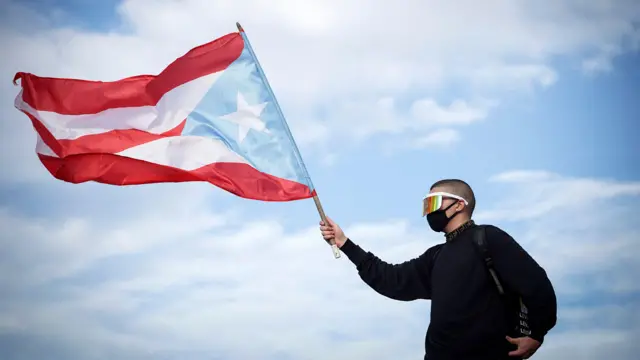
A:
(405, 282)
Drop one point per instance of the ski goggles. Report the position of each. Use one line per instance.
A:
(433, 201)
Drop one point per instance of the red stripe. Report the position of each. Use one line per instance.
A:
(239, 179)
(112, 141)
(76, 97)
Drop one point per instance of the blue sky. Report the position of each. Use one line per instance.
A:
(535, 107)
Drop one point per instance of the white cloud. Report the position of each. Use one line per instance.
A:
(587, 223)
(595, 332)
(190, 283)
(541, 192)
(598, 63)
(443, 138)
(591, 345)
(47, 249)
(602, 61)
(329, 159)
(523, 176)
(363, 119)
(515, 77)
(458, 112)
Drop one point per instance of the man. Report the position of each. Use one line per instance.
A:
(470, 320)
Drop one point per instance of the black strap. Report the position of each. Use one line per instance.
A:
(479, 240)
(521, 325)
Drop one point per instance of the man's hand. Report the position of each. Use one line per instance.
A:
(526, 346)
(332, 231)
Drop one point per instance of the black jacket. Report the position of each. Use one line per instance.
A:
(469, 320)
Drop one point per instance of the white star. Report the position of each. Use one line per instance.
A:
(247, 117)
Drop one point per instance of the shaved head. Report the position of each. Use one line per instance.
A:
(457, 187)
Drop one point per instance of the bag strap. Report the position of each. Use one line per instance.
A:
(480, 242)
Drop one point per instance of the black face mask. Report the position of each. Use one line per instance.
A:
(438, 219)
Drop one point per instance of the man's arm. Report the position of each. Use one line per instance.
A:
(405, 282)
(521, 273)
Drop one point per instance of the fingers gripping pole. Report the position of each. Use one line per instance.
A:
(323, 217)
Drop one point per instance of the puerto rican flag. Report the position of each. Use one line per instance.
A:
(209, 116)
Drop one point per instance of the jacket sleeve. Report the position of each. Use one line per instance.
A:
(405, 282)
(522, 274)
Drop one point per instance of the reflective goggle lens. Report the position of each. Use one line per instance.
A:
(431, 204)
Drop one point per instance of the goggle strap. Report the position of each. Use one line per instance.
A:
(446, 194)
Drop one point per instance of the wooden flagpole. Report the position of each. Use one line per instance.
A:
(316, 199)
(323, 217)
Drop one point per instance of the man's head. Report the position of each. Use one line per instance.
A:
(449, 204)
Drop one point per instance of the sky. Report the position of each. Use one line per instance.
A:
(533, 104)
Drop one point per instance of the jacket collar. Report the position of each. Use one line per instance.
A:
(452, 235)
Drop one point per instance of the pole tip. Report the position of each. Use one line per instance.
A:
(336, 251)
(239, 27)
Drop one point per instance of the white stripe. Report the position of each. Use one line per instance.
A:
(44, 149)
(41, 147)
(184, 152)
(169, 112)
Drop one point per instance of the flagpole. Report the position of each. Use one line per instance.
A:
(316, 199)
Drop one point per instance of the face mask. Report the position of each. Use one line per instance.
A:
(438, 219)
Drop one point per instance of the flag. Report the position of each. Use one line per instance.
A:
(208, 116)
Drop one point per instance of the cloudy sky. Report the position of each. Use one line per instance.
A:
(534, 103)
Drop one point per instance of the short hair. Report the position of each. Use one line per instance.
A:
(460, 188)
